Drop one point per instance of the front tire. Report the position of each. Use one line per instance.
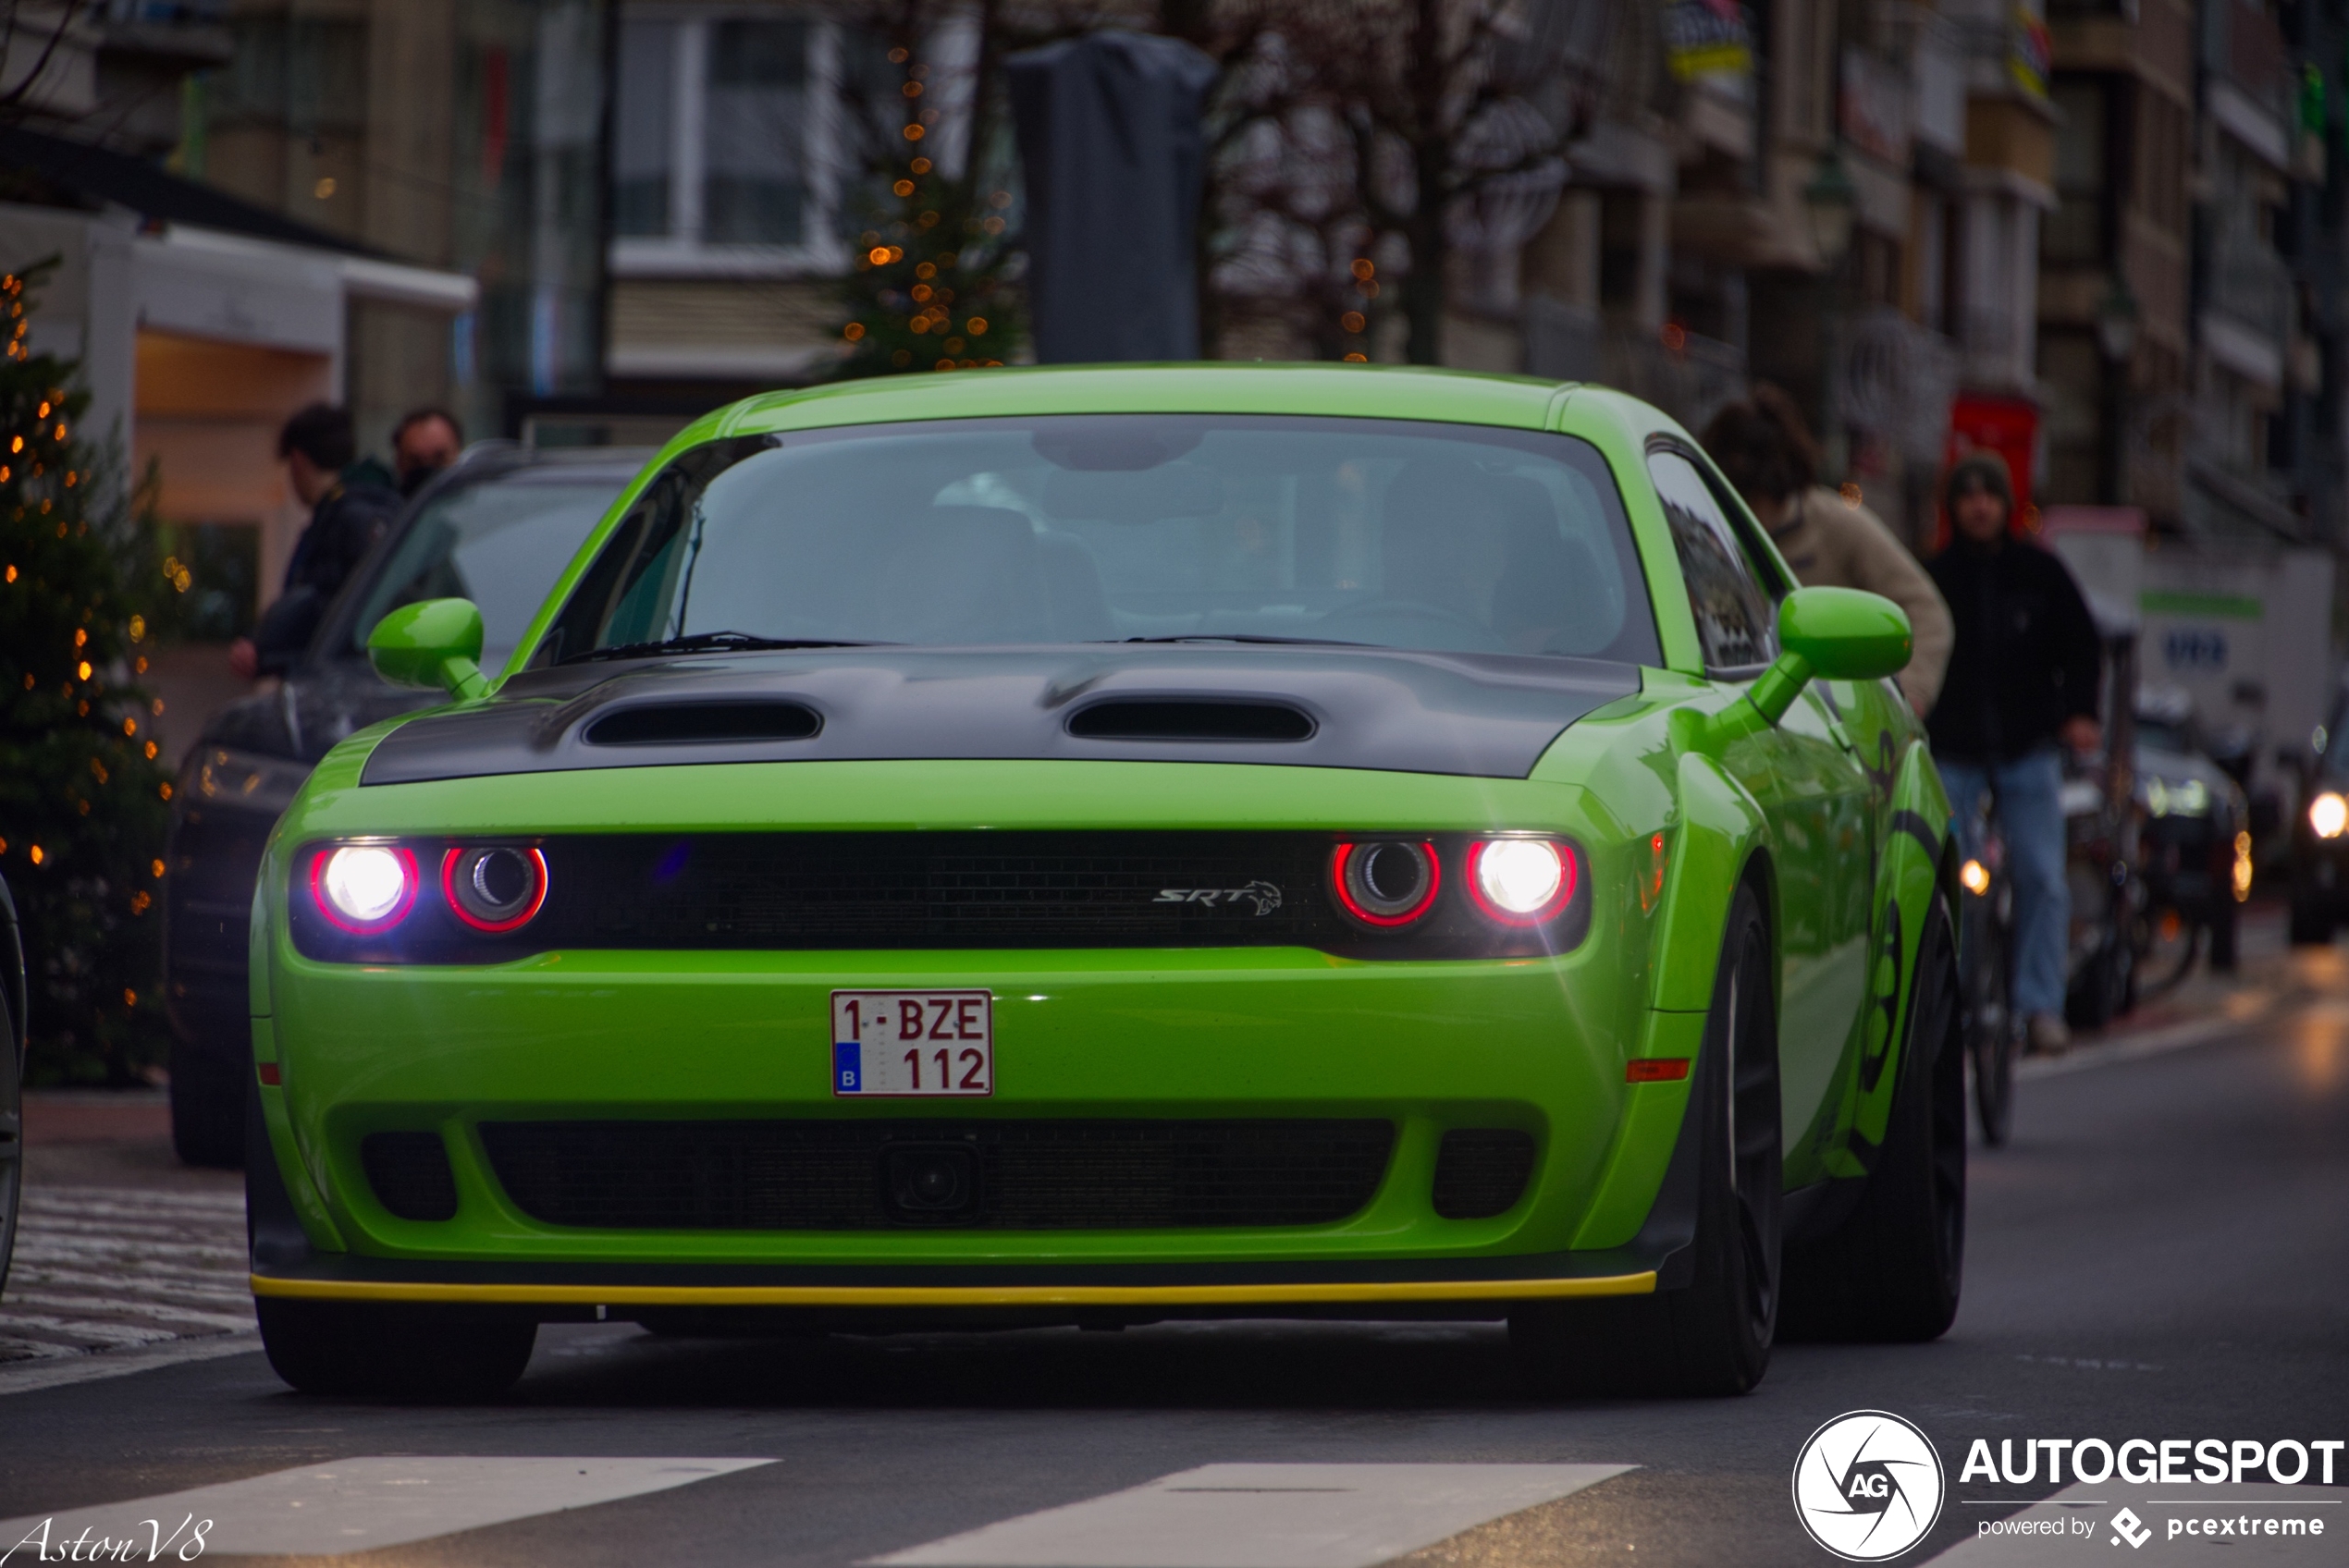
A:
(1891, 1271)
(426, 1354)
(1713, 1336)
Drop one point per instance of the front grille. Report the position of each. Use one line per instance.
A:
(1031, 1175)
(410, 1174)
(947, 890)
(1482, 1171)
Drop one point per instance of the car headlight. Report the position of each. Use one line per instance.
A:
(364, 888)
(494, 890)
(2329, 814)
(1386, 883)
(1521, 881)
(2189, 797)
(1974, 877)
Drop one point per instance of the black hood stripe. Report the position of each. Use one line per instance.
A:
(1475, 715)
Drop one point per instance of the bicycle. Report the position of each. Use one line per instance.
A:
(1986, 957)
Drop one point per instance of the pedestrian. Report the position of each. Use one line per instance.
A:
(1764, 449)
(2023, 678)
(425, 441)
(351, 502)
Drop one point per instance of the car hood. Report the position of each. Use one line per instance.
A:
(304, 717)
(1477, 714)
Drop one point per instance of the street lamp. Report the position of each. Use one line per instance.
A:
(1832, 200)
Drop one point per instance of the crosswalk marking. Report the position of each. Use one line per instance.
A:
(1262, 1516)
(108, 1269)
(357, 1504)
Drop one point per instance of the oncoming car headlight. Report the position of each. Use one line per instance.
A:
(2328, 814)
(1456, 894)
(1386, 883)
(1521, 881)
(494, 890)
(364, 888)
(385, 895)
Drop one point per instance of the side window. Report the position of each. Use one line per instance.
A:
(1735, 623)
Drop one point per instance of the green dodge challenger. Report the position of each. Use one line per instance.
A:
(1105, 845)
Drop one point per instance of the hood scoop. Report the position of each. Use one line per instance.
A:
(688, 724)
(1488, 716)
(1180, 718)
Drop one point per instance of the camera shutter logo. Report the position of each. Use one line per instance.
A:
(1868, 1485)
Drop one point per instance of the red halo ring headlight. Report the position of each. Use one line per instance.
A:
(363, 888)
(1521, 881)
(495, 887)
(1386, 883)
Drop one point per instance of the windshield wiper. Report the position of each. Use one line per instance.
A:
(712, 642)
(1248, 637)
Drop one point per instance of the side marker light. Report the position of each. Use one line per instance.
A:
(1656, 1070)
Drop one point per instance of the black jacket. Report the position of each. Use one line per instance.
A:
(343, 527)
(2027, 656)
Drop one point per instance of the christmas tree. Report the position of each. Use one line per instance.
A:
(935, 284)
(82, 797)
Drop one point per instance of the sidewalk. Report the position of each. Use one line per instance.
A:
(125, 1258)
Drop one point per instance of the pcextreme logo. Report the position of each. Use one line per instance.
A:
(1868, 1485)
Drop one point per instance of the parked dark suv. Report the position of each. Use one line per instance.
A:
(496, 529)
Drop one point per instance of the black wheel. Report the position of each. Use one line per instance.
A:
(431, 1354)
(1712, 1336)
(2222, 938)
(1891, 1271)
(1989, 1022)
(208, 1104)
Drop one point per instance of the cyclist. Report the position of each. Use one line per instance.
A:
(2024, 676)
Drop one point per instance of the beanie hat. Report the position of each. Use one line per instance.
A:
(1980, 469)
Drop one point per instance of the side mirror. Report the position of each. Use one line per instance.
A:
(1835, 633)
(435, 645)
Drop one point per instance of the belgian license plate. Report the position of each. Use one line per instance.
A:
(887, 1044)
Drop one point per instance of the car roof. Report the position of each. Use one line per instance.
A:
(1206, 387)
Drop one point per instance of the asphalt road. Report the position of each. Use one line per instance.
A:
(2163, 1252)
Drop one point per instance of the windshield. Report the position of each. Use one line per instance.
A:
(500, 543)
(1101, 528)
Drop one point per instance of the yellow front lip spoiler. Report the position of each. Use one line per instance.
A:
(958, 1295)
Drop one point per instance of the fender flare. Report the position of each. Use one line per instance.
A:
(1720, 836)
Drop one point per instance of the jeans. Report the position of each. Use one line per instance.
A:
(2030, 810)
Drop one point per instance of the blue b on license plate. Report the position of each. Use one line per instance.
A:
(913, 1042)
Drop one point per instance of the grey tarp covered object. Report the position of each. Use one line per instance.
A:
(1110, 144)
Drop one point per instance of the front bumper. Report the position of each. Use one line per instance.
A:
(1536, 1045)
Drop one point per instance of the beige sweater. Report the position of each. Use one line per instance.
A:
(1832, 543)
